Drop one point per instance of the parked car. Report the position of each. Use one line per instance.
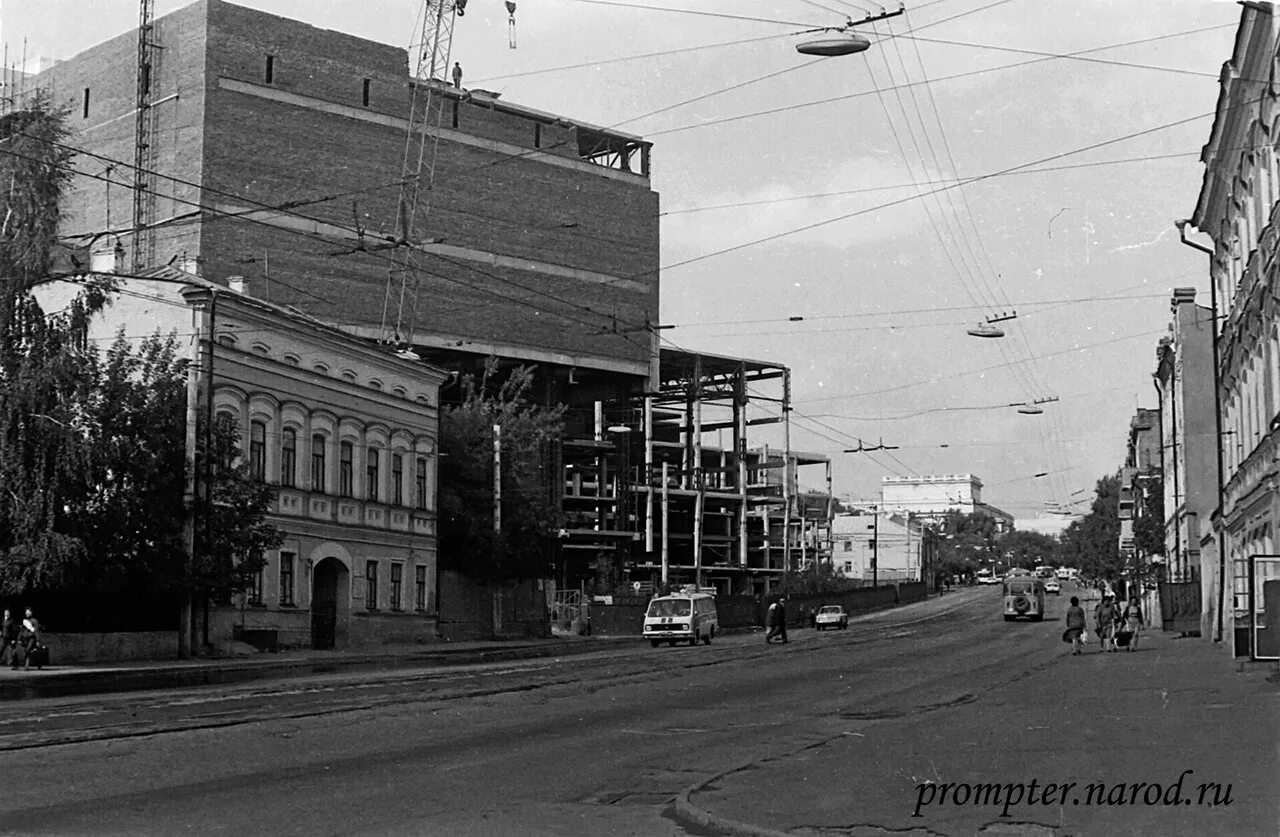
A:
(1053, 586)
(832, 616)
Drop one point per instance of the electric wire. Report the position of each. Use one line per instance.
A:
(953, 374)
(607, 319)
(953, 77)
(622, 59)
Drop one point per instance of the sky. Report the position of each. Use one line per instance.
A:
(1007, 177)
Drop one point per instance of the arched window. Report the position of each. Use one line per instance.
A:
(258, 450)
(397, 479)
(371, 473)
(346, 453)
(289, 457)
(420, 484)
(317, 463)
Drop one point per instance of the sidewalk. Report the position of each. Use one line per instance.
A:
(1176, 705)
(62, 681)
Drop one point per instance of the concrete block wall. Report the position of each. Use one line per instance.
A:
(67, 649)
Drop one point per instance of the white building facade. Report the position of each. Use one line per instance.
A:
(1237, 208)
(932, 497)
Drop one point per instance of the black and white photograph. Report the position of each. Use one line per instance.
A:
(652, 418)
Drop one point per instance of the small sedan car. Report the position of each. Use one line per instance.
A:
(1053, 586)
(831, 616)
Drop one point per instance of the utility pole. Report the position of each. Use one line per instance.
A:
(189, 493)
(497, 479)
(875, 546)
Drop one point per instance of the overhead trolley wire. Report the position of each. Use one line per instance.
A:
(899, 201)
(952, 374)
(606, 320)
(621, 59)
(953, 77)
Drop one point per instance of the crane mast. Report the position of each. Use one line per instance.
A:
(430, 55)
(143, 196)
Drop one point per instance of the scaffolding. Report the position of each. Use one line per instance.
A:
(666, 488)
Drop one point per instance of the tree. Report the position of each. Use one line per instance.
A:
(1092, 542)
(530, 515)
(1030, 549)
(233, 532)
(1148, 528)
(46, 365)
(965, 543)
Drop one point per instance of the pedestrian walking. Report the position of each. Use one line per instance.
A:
(28, 638)
(1075, 626)
(775, 620)
(770, 622)
(9, 639)
(1104, 618)
(1134, 622)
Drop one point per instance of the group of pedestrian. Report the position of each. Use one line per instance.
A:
(19, 640)
(1115, 626)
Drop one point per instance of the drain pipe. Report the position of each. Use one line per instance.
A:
(1217, 423)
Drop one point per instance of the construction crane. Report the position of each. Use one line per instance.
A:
(143, 196)
(430, 53)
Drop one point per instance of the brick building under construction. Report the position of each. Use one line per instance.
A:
(258, 149)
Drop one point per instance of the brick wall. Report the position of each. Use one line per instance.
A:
(487, 200)
(246, 148)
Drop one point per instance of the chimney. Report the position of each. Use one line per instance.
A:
(188, 263)
(237, 284)
(107, 256)
(1183, 296)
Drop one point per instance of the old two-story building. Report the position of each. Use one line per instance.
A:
(344, 429)
(1236, 208)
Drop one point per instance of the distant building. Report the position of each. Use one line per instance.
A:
(933, 497)
(885, 546)
(1184, 378)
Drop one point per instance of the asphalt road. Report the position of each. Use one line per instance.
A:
(600, 743)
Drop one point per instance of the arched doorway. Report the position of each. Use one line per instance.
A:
(329, 602)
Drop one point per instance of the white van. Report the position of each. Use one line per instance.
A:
(681, 617)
